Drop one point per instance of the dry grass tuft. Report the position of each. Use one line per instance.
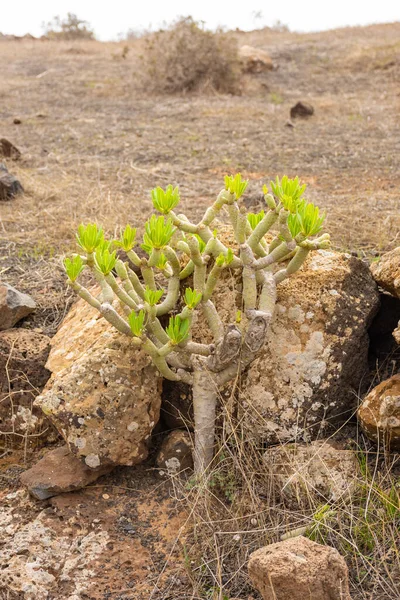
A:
(238, 508)
(185, 58)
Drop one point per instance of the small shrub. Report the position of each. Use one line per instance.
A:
(70, 28)
(185, 57)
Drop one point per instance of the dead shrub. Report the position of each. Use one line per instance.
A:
(70, 28)
(186, 57)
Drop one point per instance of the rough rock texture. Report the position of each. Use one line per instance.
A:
(9, 185)
(104, 396)
(175, 454)
(35, 557)
(299, 569)
(23, 355)
(301, 109)
(254, 60)
(387, 272)
(14, 305)
(379, 413)
(57, 472)
(316, 351)
(322, 471)
(8, 150)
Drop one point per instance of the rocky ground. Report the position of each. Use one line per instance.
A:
(92, 146)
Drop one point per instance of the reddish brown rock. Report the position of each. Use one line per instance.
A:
(299, 569)
(58, 472)
(386, 272)
(14, 306)
(379, 413)
(104, 396)
(175, 454)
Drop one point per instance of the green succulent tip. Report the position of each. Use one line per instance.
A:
(235, 185)
(192, 298)
(165, 200)
(136, 322)
(152, 297)
(73, 266)
(178, 329)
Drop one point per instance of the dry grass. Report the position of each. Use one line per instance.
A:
(101, 144)
(238, 508)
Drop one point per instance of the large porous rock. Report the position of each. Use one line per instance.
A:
(299, 569)
(379, 413)
(386, 272)
(57, 472)
(23, 355)
(175, 454)
(309, 372)
(104, 395)
(254, 60)
(322, 471)
(9, 184)
(14, 306)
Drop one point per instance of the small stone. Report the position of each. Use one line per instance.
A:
(379, 414)
(289, 124)
(106, 497)
(301, 109)
(9, 185)
(8, 150)
(299, 569)
(14, 306)
(175, 454)
(17, 121)
(57, 472)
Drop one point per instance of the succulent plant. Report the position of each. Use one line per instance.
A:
(178, 249)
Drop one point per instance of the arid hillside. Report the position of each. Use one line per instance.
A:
(94, 143)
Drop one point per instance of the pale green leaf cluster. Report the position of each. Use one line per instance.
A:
(89, 237)
(306, 221)
(152, 297)
(225, 259)
(235, 185)
(136, 322)
(255, 218)
(74, 267)
(288, 191)
(127, 239)
(178, 329)
(192, 298)
(165, 200)
(104, 259)
(158, 233)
